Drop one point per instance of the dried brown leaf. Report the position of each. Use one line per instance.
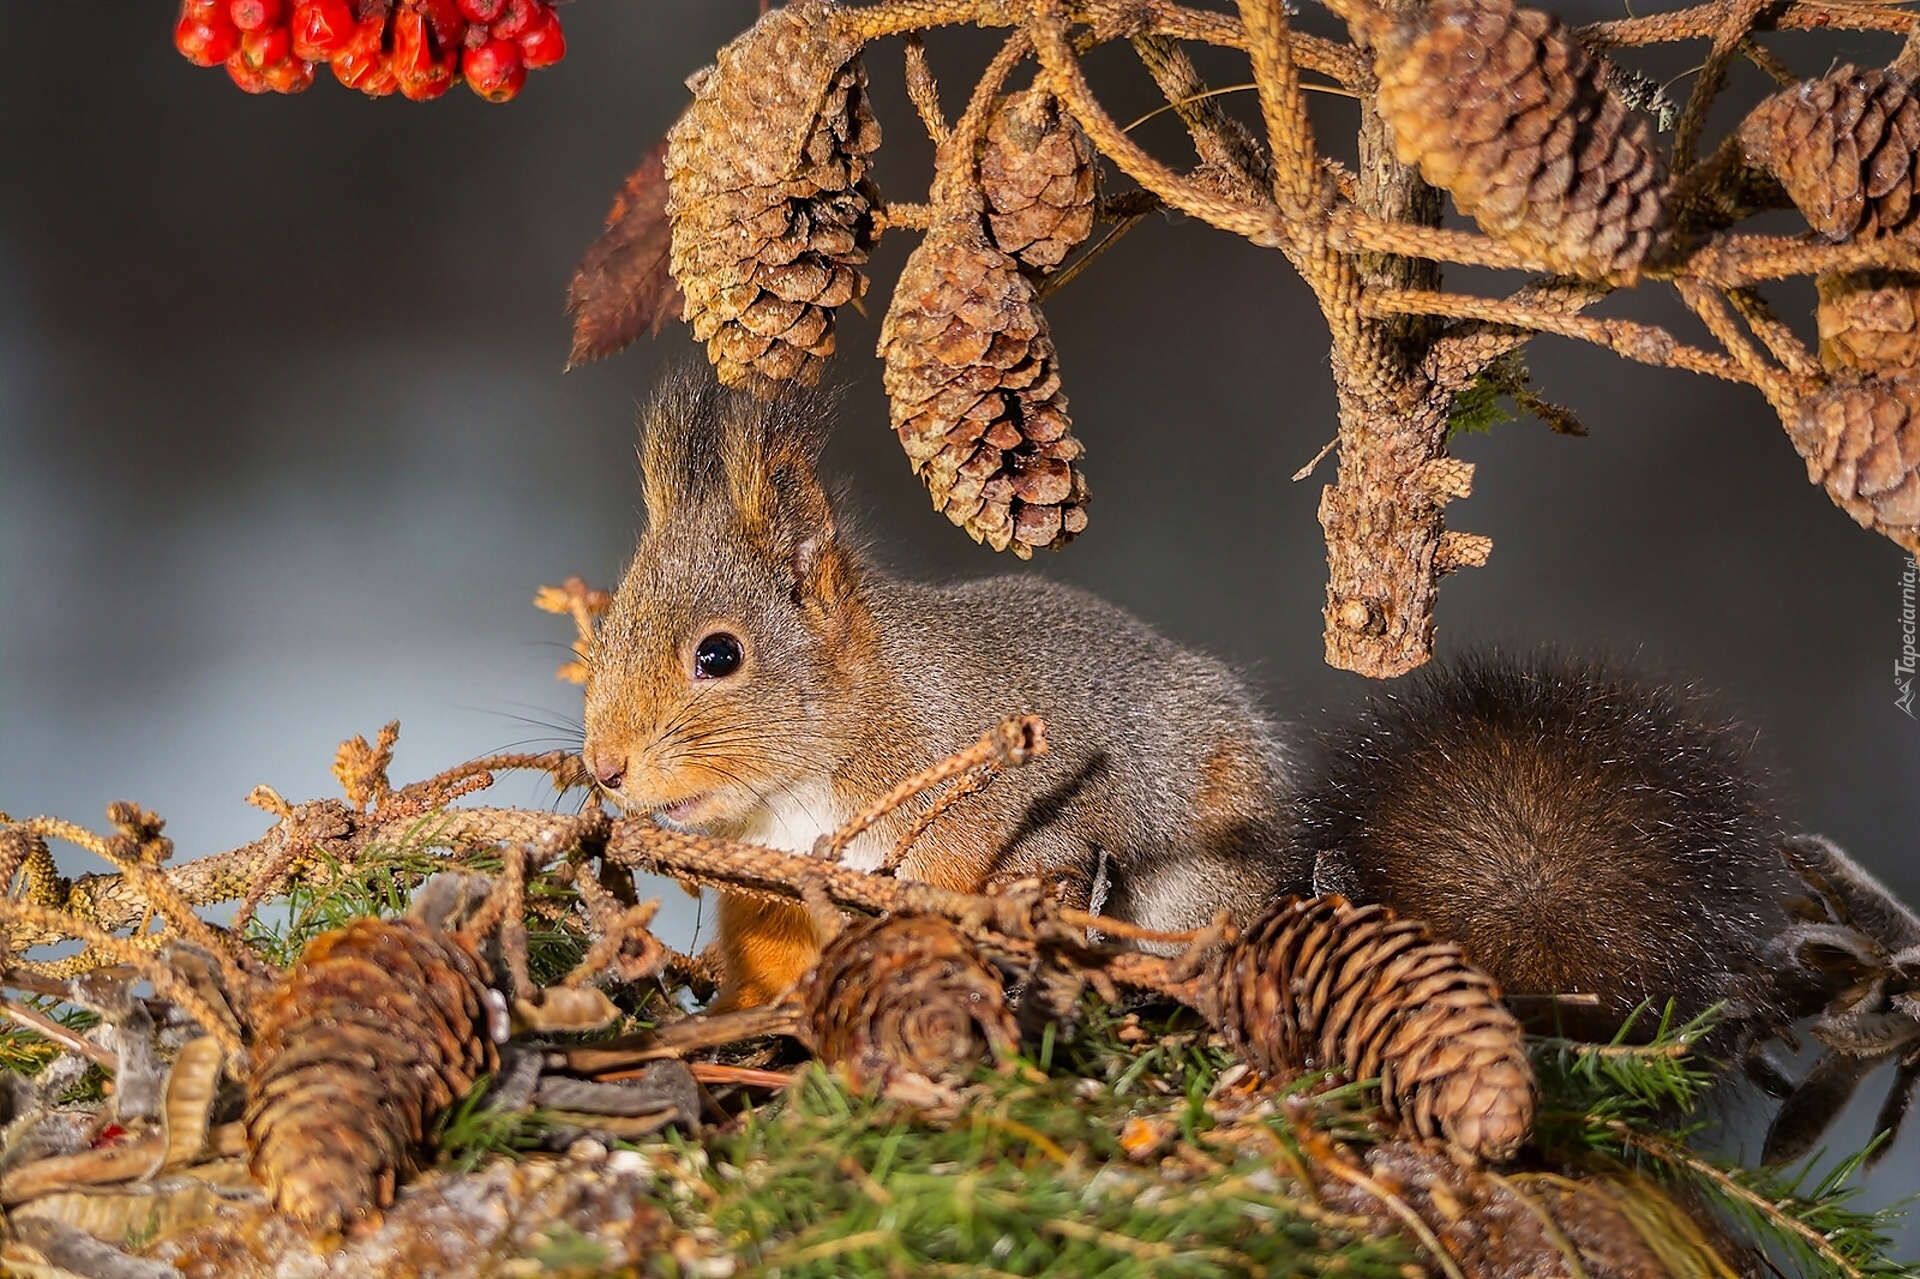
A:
(622, 286)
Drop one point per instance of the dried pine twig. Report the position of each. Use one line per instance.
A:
(1782, 391)
(1703, 22)
(1645, 343)
(1011, 743)
(1774, 334)
(137, 956)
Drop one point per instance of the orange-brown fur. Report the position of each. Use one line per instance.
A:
(765, 947)
(852, 680)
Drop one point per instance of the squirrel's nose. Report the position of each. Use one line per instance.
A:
(608, 766)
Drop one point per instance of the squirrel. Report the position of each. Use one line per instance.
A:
(1596, 841)
(757, 677)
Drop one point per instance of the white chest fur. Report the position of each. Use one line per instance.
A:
(793, 820)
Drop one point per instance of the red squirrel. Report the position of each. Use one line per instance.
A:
(1595, 840)
(758, 677)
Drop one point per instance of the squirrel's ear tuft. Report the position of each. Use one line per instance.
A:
(771, 453)
(680, 443)
(751, 463)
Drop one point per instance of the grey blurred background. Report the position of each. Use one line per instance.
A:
(285, 445)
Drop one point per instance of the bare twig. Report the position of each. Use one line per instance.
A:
(626, 928)
(1704, 20)
(971, 782)
(1355, 232)
(1048, 30)
(1777, 71)
(1220, 141)
(47, 1028)
(1730, 33)
(1297, 187)
(1009, 744)
(127, 951)
(1778, 338)
(1646, 343)
(923, 90)
(1458, 356)
(1060, 279)
(1782, 390)
(677, 1039)
(1736, 261)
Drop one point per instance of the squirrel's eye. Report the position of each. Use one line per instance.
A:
(717, 657)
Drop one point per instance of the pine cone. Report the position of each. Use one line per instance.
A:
(1600, 1224)
(904, 999)
(1861, 440)
(770, 206)
(378, 1027)
(1321, 984)
(1037, 171)
(1869, 320)
(1500, 106)
(1843, 146)
(970, 373)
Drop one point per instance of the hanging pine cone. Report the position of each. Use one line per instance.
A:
(1861, 440)
(970, 374)
(1321, 984)
(1869, 320)
(904, 998)
(377, 1028)
(1037, 172)
(1843, 146)
(770, 207)
(1498, 105)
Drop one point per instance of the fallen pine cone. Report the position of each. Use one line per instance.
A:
(904, 999)
(1861, 441)
(1321, 984)
(770, 206)
(379, 1027)
(1843, 146)
(1502, 108)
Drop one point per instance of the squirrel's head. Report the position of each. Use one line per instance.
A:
(716, 678)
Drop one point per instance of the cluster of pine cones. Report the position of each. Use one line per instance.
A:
(773, 212)
(772, 215)
(1316, 985)
(1843, 148)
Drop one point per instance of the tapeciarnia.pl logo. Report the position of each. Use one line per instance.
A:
(1903, 666)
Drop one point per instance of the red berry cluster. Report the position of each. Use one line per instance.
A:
(418, 47)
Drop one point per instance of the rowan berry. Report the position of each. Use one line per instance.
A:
(495, 70)
(248, 77)
(267, 48)
(515, 17)
(422, 73)
(322, 28)
(206, 44)
(543, 43)
(255, 15)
